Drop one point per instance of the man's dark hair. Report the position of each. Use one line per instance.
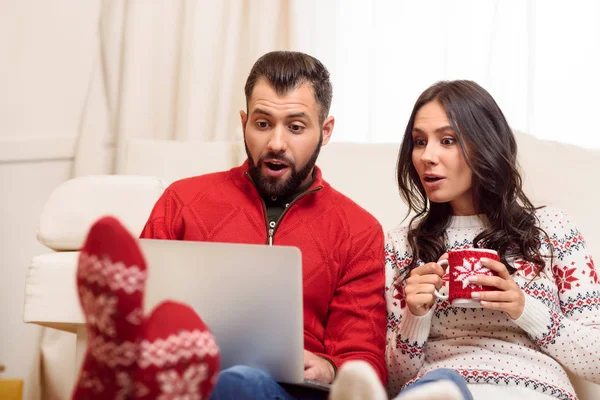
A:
(286, 70)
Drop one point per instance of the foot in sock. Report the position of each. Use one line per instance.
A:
(111, 275)
(357, 380)
(179, 356)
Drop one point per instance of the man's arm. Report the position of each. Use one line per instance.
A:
(165, 219)
(357, 314)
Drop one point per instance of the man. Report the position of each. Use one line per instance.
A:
(278, 197)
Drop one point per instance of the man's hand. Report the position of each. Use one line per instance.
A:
(317, 368)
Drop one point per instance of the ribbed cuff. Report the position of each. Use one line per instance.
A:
(536, 319)
(415, 328)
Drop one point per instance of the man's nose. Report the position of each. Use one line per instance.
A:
(277, 143)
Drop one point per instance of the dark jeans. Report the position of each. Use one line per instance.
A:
(247, 383)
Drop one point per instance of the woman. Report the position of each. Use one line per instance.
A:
(457, 170)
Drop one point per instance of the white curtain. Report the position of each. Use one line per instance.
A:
(172, 69)
(175, 69)
(538, 59)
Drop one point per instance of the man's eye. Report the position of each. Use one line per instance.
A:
(262, 124)
(296, 128)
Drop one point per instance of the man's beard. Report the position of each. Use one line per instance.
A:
(275, 187)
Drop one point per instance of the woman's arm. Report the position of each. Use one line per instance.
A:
(407, 334)
(566, 326)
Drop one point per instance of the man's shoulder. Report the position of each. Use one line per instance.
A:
(357, 217)
(188, 189)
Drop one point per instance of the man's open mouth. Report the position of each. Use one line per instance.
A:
(275, 166)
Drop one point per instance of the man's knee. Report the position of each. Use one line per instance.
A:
(242, 374)
(242, 382)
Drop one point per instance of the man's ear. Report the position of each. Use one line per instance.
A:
(327, 129)
(244, 119)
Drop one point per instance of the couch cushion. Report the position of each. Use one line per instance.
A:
(76, 204)
(366, 172)
(566, 177)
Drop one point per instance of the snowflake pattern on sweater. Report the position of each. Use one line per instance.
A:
(559, 327)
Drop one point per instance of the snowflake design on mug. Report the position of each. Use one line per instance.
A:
(471, 267)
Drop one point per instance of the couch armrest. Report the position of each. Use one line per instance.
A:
(51, 292)
(585, 390)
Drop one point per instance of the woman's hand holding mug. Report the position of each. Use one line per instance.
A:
(421, 285)
(507, 297)
(477, 279)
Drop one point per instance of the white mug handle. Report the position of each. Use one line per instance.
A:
(435, 292)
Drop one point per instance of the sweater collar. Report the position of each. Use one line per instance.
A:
(468, 221)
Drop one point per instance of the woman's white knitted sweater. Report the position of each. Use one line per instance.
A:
(559, 327)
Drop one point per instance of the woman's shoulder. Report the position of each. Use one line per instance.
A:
(396, 240)
(398, 234)
(397, 250)
(563, 236)
(553, 219)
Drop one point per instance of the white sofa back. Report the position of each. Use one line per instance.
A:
(555, 174)
(564, 176)
(173, 160)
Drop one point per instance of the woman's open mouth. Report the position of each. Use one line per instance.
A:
(432, 181)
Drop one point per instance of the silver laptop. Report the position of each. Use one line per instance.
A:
(250, 296)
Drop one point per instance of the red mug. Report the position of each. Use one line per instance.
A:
(462, 264)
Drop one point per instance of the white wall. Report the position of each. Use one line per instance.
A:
(47, 55)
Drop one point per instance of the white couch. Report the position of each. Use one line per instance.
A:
(555, 174)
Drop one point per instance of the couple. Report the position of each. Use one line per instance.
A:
(457, 170)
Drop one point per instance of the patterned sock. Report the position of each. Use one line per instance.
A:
(110, 279)
(179, 355)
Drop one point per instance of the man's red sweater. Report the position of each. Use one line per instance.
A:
(341, 244)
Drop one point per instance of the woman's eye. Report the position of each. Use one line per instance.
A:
(448, 141)
(418, 142)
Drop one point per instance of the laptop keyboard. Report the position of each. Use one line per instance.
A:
(318, 384)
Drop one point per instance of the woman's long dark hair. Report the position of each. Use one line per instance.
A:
(490, 151)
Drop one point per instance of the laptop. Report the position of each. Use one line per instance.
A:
(250, 296)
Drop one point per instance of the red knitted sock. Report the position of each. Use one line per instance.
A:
(179, 355)
(110, 278)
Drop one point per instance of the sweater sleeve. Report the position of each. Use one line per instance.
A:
(165, 221)
(407, 334)
(564, 321)
(357, 311)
